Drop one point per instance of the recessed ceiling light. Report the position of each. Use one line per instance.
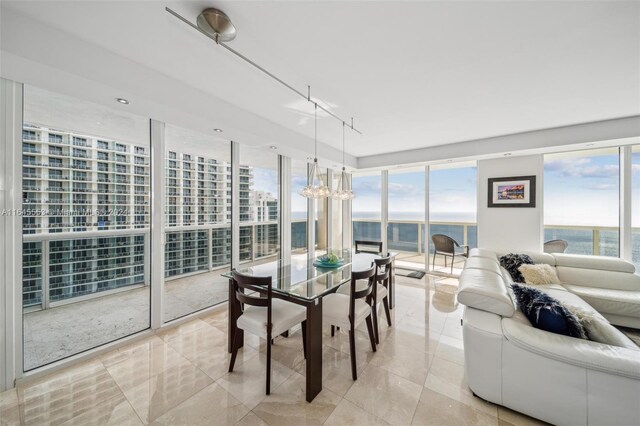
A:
(507, 154)
(309, 158)
(122, 101)
(218, 130)
(589, 144)
(273, 147)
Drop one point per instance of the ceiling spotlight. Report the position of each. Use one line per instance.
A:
(309, 158)
(589, 144)
(218, 130)
(507, 154)
(122, 101)
(273, 147)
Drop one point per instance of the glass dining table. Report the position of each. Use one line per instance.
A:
(297, 280)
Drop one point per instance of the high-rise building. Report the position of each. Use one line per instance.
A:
(84, 185)
(81, 185)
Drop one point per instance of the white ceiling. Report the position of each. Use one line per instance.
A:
(413, 74)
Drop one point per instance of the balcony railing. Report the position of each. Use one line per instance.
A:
(408, 237)
(81, 259)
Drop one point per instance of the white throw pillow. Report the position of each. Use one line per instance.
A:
(599, 330)
(539, 274)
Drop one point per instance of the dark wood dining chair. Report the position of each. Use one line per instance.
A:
(363, 246)
(263, 315)
(381, 292)
(448, 247)
(349, 310)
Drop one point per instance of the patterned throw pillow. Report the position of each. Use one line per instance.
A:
(546, 312)
(511, 262)
(539, 274)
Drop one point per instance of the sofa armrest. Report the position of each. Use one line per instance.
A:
(579, 352)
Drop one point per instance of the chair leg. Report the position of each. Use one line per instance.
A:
(333, 330)
(269, 364)
(433, 266)
(370, 330)
(352, 347)
(234, 351)
(385, 301)
(304, 338)
(452, 259)
(374, 313)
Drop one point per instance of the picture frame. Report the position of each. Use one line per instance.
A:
(513, 191)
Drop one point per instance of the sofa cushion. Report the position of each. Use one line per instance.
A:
(511, 262)
(619, 302)
(539, 274)
(537, 257)
(598, 278)
(547, 313)
(486, 291)
(594, 262)
(599, 330)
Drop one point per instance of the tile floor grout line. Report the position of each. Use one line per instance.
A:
(124, 395)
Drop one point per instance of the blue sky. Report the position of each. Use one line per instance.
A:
(579, 189)
(452, 194)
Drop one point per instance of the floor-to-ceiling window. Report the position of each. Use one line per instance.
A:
(366, 207)
(452, 208)
(581, 200)
(197, 220)
(86, 199)
(259, 204)
(406, 223)
(299, 207)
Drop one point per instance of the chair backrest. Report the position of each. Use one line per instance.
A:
(556, 246)
(364, 246)
(383, 269)
(444, 243)
(260, 285)
(367, 292)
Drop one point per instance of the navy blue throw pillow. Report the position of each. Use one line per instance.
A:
(547, 313)
(511, 262)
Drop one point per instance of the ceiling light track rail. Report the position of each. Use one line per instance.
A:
(255, 65)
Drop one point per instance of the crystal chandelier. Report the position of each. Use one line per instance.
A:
(315, 186)
(342, 191)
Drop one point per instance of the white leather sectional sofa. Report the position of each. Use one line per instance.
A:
(555, 378)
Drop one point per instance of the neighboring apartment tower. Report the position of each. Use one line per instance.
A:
(95, 193)
(80, 187)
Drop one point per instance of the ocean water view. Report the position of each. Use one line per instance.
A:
(407, 237)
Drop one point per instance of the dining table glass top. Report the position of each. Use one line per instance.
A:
(299, 278)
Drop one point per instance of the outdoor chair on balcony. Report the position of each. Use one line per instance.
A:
(447, 247)
(556, 246)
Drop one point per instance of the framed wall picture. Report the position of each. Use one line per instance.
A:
(518, 191)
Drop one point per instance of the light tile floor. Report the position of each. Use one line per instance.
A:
(179, 377)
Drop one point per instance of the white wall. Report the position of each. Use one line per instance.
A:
(513, 229)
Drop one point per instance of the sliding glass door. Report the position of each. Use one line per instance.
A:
(581, 200)
(86, 198)
(197, 245)
(259, 205)
(366, 210)
(452, 210)
(406, 224)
